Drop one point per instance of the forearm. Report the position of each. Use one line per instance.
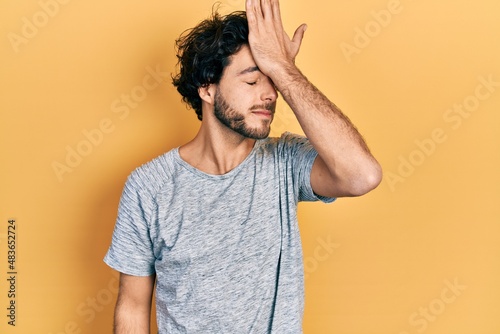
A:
(345, 166)
(129, 320)
(133, 306)
(338, 142)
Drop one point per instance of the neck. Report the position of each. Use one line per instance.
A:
(216, 149)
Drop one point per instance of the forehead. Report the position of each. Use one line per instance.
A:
(241, 63)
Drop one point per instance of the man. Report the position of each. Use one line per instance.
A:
(213, 222)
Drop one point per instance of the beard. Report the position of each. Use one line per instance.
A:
(236, 120)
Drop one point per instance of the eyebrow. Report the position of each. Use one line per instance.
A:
(249, 70)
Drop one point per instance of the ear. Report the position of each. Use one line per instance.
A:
(207, 93)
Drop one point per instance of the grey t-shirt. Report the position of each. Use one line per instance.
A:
(225, 249)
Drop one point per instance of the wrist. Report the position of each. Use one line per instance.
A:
(286, 76)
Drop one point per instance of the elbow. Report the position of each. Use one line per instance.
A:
(368, 180)
(374, 178)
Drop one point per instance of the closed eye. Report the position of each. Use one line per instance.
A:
(252, 83)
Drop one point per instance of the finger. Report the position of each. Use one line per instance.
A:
(267, 9)
(276, 12)
(249, 10)
(255, 8)
(296, 41)
(251, 15)
(275, 5)
(299, 34)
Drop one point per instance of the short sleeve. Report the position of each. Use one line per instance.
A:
(302, 155)
(131, 250)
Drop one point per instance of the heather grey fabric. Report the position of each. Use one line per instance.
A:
(225, 249)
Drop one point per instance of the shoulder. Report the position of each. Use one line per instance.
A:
(292, 139)
(288, 144)
(150, 177)
(285, 141)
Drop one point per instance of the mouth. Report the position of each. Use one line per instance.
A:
(265, 110)
(263, 113)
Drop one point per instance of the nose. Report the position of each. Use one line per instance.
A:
(269, 93)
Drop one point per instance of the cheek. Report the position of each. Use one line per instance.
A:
(238, 96)
(239, 106)
(240, 102)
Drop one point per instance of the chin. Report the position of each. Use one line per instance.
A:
(256, 134)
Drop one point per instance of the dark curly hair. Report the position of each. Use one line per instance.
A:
(204, 51)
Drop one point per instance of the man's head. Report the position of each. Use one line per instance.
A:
(204, 52)
(217, 69)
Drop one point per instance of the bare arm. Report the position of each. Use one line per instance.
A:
(133, 307)
(344, 166)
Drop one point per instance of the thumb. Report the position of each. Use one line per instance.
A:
(299, 34)
(297, 40)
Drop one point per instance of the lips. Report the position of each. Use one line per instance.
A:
(264, 109)
(264, 113)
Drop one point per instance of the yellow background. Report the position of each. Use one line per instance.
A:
(388, 256)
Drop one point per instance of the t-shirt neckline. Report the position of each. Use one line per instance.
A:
(196, 171)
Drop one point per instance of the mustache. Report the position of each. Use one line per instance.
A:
(266, 106)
